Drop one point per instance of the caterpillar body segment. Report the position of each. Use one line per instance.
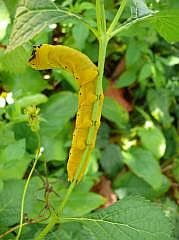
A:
(86, 74)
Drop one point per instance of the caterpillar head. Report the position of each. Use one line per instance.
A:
(39, 58)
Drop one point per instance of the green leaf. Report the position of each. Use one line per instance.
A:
(80, 34)
(133, 53)
(81, 203)
(13, 157)
(6, 135)
(32, 100)
(28, 82)
(114, 112)
(152, 139)
(18, 58)
(167, 24)
(54, 147)
(31, 18)
(159, 102)
(10, 199)
(4, 19)
(111, 160)
(131, 218)
(129, 183)
(126, 78)
(175, 170)
(60, 108)
(144, 165)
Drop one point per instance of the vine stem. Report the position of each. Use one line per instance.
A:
(37, 155)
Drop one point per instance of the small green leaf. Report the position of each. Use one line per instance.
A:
(167, 24)
(111, 159)
(114, 112)
(128, 184)
(133, 53)
(159, 102)
(152, 139)
(60, 108)
(130, 218)
(127, 78)
(80, 34)
(144, 165)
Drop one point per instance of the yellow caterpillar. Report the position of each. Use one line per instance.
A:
(86, 73)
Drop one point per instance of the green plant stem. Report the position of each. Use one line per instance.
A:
(26, 188)
(100, 16)
(126, 26)
(117, 17)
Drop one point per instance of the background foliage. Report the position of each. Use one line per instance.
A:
(137, 145)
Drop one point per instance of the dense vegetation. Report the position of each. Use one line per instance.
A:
(136, 159)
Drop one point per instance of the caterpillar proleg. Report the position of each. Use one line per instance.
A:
(86, 74)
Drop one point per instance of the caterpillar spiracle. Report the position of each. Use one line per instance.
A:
(86, 73)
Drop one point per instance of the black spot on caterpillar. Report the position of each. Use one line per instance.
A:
(86, 73)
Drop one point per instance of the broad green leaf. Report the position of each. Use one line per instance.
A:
(152, 139)
(31, 18)
(114, 112)
(4, 19)
(11, 197)
(13, 157)
(81, 203)
(17, 58)
(130, 218)
(167, 24)
(159, 102)
(111, 160)
(144, 165)
(60, 108)
(128, 184)
(25, 83)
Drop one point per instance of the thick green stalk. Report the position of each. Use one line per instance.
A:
(26, 188)
(100, 17)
